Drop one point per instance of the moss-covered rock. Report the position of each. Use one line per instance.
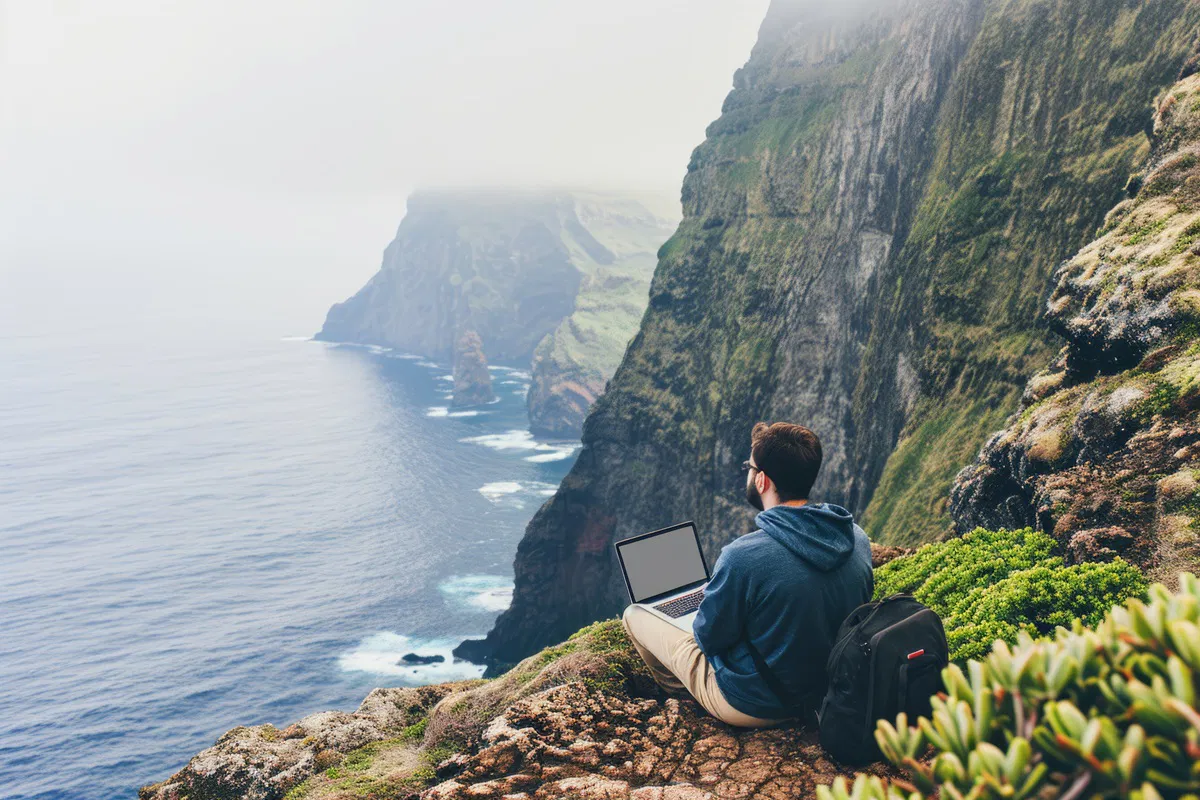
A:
(1103, 453)
(266, 763)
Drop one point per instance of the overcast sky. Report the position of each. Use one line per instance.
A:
(264, 148)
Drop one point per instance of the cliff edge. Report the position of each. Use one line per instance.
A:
(581, 720)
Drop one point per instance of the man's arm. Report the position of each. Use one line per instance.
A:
(721, 617)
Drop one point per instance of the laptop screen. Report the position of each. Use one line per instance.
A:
(662, 562)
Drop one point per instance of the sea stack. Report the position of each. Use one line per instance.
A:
(472, 381)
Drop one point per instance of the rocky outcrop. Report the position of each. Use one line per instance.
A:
(558, 280)
(1106, 450)
(472, 381)
(265, 762)
(578, 742)
(867, 232)
(582, 719)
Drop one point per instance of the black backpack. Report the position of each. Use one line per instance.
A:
(888, 657)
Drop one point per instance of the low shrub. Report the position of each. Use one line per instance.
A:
(989, 585)
(1104, 713)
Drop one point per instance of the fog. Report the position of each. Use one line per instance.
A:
(202, 162)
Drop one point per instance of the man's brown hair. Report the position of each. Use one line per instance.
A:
(790, 455)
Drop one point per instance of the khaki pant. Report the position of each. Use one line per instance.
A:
(678, 664)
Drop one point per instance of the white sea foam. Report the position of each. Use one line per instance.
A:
(510, 492)
(522, 442)
(381, 654)
(370, 348)
(445, 377)
(444, 411)
(499, 488)
(296, 339)
(556, 454)
(483, 592)
(509, 440)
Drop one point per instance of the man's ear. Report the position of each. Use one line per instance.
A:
(762, 482)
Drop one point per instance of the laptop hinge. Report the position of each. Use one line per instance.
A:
(649, 601)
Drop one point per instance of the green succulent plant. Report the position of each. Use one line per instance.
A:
(1109, 712)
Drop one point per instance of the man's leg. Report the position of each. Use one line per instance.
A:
(650, 635)
(677, 662)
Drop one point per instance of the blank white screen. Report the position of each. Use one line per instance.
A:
(662, 563)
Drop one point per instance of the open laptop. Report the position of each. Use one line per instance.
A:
(665, 572)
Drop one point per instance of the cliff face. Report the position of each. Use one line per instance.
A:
(868, 232)
(1105, 454)
(489, 262)
(562, 274)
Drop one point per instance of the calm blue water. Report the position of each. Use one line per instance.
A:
(223, 530)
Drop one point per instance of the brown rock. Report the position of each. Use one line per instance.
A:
(1098, 544)
(882, 554)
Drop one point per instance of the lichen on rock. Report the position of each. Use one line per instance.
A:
(265, 763)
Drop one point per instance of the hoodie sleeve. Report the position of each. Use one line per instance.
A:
(718, 624)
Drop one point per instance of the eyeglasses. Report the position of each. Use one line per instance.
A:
(747, 466)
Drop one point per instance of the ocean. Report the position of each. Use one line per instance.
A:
(204, 532)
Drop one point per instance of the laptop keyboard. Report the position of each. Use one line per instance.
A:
(684, 604)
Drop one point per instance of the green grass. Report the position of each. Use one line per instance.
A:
(910, 504)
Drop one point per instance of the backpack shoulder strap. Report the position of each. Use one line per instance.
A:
(798, 708)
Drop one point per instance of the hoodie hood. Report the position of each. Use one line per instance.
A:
(821, 533)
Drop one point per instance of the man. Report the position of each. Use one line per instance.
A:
(777, 596)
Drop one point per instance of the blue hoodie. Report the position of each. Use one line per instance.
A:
(787, 587)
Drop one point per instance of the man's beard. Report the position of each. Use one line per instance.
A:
(752, 495)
